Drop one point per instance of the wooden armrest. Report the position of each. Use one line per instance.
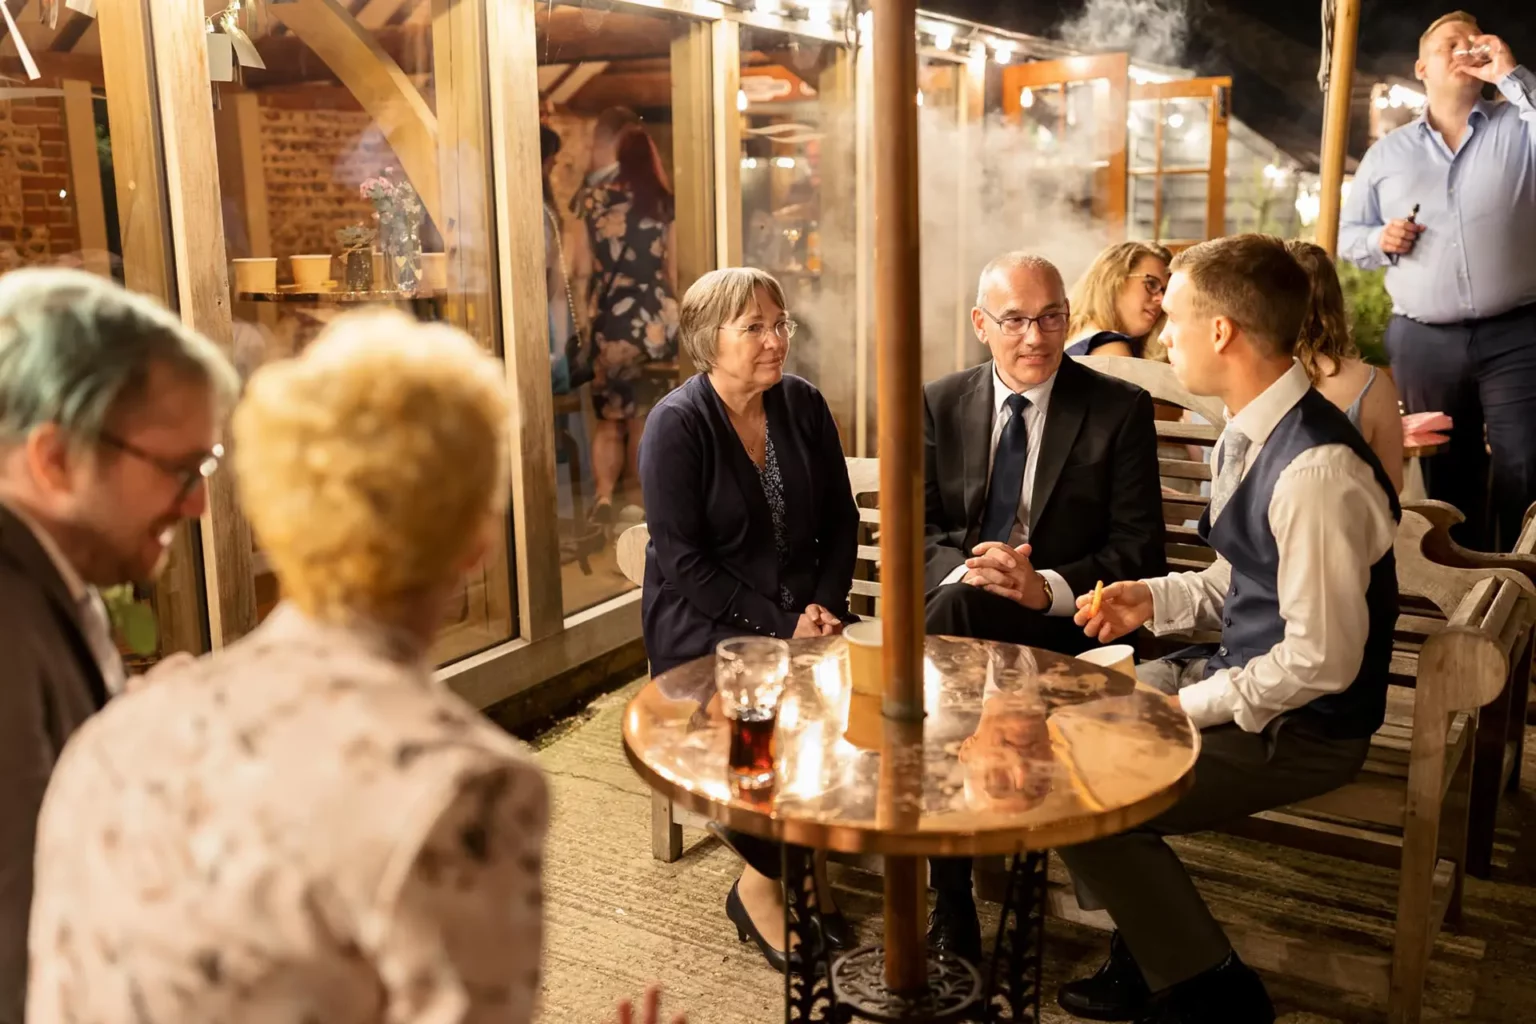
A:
(1439, 547)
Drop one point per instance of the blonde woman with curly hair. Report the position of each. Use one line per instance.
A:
(1117, 305)
(1328, 354)
(307, 825)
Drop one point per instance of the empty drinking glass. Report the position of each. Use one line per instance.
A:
(1473, 55)
(750, 673)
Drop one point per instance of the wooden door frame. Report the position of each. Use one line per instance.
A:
(1114, 68)
(1218, 90)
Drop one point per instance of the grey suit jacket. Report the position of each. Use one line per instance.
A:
(49, 685)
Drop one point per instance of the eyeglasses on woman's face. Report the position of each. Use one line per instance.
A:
(1017, 325)
(1154, 285)
(783, 330)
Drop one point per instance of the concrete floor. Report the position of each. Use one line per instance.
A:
(617, 919)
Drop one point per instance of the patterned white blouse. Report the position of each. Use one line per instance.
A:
(303, 828)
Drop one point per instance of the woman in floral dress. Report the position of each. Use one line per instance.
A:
(627, 261)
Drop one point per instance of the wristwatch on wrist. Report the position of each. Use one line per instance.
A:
(1050, 598)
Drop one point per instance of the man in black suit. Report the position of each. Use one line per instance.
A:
(109, 415)
(1042, 479)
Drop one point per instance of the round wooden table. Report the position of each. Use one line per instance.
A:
(1020, 750)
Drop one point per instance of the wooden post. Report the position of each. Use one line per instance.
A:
(202, 283)
(898, 323)
(1346, 26)
(514, 97)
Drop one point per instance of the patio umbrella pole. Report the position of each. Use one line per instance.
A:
(899, 383)
(1341, 75)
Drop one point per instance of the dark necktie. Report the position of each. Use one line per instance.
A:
(1007, 474)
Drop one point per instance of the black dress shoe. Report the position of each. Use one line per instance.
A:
(1229, 993)
(1116, 991)
(954, 930)
(838, 932)
(737, 912)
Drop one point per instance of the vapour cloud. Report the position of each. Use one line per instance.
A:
(1153, 30)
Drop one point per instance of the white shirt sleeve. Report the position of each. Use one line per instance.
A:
(1332, 522)
(1189, 600)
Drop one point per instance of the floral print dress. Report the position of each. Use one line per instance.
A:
(633, 312)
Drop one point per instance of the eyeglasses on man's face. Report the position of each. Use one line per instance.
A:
(1154, 285)
(186, 475)
(784, 330)
(1017, 325)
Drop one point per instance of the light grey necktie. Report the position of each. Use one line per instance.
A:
(1234, 451)
(98, 636)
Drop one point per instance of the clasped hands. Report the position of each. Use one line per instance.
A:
(817, 621)
(1006, 571)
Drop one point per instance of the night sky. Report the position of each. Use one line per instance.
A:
(1269, 47)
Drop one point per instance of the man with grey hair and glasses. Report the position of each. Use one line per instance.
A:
(1042, 480)
(110, 412)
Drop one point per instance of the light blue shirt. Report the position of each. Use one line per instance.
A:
(1477, 255)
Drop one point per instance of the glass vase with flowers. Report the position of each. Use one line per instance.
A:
(398, 210)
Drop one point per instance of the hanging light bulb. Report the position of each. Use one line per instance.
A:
(1002, 52)
(741, 99)
(1026, 97)
(919, 97)
(1175, 120)
(943, 37)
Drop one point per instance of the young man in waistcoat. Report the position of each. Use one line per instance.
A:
(1305, 595)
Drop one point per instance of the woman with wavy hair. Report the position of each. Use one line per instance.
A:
(1328, 354)
(1117, 305)
(624, 263)
(307, 825)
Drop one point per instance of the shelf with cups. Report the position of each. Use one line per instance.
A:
(341, 297)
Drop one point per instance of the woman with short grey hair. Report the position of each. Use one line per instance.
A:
(752, 521)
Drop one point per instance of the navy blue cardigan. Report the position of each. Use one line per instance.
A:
(711, 569)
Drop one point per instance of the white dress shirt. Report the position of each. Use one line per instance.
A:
(1332, 521)
(95, 623)
(1063, 602)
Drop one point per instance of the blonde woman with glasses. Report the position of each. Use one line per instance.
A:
(1117, 305)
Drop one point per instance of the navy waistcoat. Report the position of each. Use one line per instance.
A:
(1251, 620)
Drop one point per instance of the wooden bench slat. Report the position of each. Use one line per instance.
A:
(1188, 433)
(1184, 469)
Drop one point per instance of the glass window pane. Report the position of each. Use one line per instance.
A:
(949, 155)
(1186, 133)
(363, 184)
(1141, 216)
(1141, 129)
(607, 82)
(1184, 207)
(60, 206)
(797, 199)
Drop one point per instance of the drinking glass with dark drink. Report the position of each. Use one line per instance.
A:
(750, 673)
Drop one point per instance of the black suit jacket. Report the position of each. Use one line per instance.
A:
(1096, 509)
(711, 568)
(49, 685)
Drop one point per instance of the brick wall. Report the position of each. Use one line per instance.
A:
(37, 223)
(313, 161)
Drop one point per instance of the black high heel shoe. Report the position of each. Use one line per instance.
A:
(737, 912)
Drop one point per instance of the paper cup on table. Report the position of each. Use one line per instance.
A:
(256, 274)
(434, 271)
(310, 272)
(1117, 657)
(866, 670)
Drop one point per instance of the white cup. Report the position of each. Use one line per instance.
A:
(866, 665)
(1116, 657)
(310, 272)
(434, 271)
(256, 274)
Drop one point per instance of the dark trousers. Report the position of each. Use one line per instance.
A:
(960, 609)
(1481, 373)
(1138, 878)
